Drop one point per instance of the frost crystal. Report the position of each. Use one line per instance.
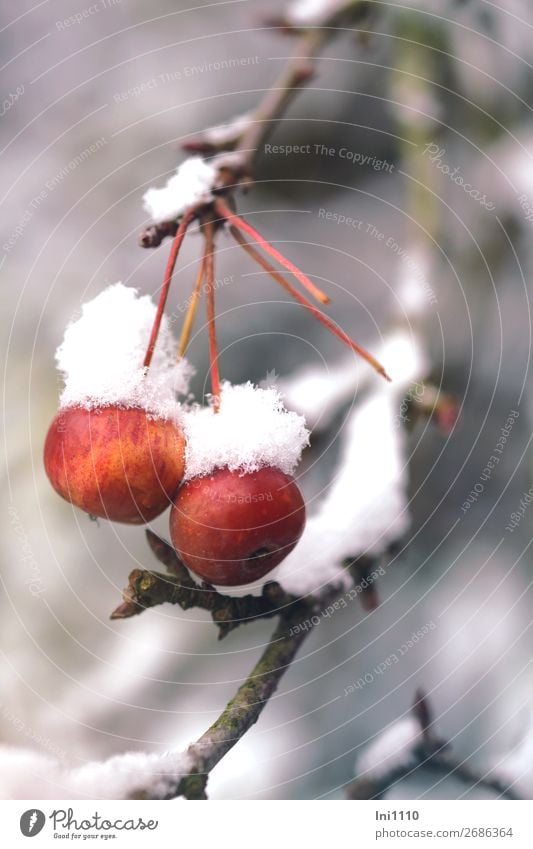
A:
(252, 429)
(101, 356)
(191, 184)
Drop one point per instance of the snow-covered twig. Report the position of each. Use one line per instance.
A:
(243, 136)
(410, 744)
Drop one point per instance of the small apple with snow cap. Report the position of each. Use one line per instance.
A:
(116, 447)
(239, 512)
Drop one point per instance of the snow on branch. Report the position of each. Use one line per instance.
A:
(317, 13)
(192, 184)
(26, 774)
(410, 744)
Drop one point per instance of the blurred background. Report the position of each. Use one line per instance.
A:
(94, 109)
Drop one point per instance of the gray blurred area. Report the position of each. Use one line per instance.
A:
(127, 83)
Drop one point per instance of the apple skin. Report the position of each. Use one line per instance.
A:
(219, 523)
(115, 462)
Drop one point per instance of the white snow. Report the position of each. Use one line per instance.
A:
(391, 749)
(252, 429)
(102, 353)
(192, 183)
(366, 507)
(26, 774)
(318, 393)
(516, 768)
(309, 13)
(227, 133)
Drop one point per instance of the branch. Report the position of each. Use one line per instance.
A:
(147, 589)
(235, 168)
(248, 132)
(244, 709)
(431, 753)
(439, 761)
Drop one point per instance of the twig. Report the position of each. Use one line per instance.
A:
(153, 235)
(298, 71)
(147, 589)
(237, 170)
(440, 762)
(432, 754)
(244, 708)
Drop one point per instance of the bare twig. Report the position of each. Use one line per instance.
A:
(441, 763)
(432, 754)
(245, 707)
(169, 270)
(250, 132)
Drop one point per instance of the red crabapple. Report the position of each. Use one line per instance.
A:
(115, 462)
(232, 528)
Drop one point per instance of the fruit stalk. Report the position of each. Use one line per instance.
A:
(209, 267)
(191, 312)
(318, 314)
(238, 222)
(169, 270)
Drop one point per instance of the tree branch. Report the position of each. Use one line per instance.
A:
(441, 762)
(235, 169)
(244, 709)
(147, 589)
(433, 754)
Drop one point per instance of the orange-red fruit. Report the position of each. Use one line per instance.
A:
(115, 462)
(232, 528)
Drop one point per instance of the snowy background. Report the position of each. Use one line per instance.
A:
(93, 111)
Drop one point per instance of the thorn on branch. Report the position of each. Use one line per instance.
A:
(423, 712)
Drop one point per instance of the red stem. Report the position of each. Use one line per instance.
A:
(239, 222)
(324, 319)
(186, 219)
(209, 266)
